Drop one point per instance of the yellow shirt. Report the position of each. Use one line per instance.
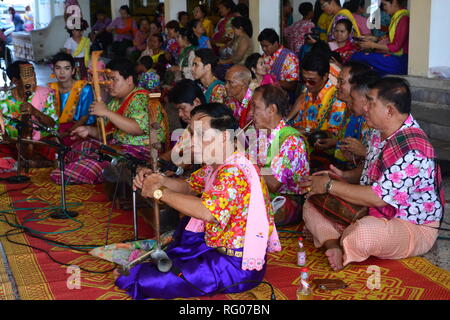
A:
(208, 26)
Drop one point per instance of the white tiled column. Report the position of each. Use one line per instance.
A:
(264, 14)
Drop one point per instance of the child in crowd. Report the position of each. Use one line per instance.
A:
(199, 31)
(148, 78)
(172, 46)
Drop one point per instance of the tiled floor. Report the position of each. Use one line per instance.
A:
(440, 253)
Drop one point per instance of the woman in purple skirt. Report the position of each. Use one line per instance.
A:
(221, 246)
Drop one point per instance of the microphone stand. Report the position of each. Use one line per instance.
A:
(62, 213)
(62, 150)
(133, 163)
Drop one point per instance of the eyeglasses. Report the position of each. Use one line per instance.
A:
(309, 82)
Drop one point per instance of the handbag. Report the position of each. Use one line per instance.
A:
(338, 210)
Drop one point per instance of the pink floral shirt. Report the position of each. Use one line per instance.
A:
(295, 34)
(409, 185)
(290, 165)
(291, 65)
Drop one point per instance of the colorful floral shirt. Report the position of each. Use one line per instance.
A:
(240, 107)
(291, 66)
(295, 34)
(409, 185)
(138, 110)
(228, 201)
(149, 80)
(11, 107)
(312, 109)
(290, 165)
(174, 49)
(216, 93)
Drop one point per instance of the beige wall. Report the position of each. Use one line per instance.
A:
(419, 40)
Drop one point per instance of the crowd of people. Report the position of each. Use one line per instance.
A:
(327, 121)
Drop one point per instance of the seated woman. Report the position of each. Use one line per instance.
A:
(154, 47)
(80, 48)
(260, 73)
(400, 184)
(242, 45)
(231, 225)
(391, 56)
(201, 13)
(343, 43)
(188, 43)
(283, 152)
(334, 9)
(224, 32)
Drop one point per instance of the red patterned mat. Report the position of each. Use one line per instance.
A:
(33, 275)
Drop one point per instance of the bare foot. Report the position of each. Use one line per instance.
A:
(335, 258)
(116, 274)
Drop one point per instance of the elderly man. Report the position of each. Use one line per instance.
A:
(282, 151)
(400, 185)
(237, 84)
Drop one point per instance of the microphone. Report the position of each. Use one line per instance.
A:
(169, 166)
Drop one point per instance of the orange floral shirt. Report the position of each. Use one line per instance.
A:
(228, 201)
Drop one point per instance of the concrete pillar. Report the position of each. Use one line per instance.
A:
(172, 7)
(264, 14)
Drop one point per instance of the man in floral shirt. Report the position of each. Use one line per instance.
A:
(127, 126)
(40, 104)
(400, 184)
(282, 62)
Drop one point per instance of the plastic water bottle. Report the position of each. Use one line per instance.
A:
(304, 289)
(301, 254)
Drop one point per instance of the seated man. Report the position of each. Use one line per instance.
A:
(354, 126)
(217, 247)
(318, 108)
(202, 69)
(72, 97)
(127, 116)
(239, 93)
(400, 184)
(353, 140)
(26, 98)
(284, 151)
(281, 62)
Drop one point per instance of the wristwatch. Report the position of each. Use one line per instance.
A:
(329, 185)
(158, 193)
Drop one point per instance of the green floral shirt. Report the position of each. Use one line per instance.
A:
(138, 110)
(11, 107)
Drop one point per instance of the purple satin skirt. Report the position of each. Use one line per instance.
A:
(204, 267)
